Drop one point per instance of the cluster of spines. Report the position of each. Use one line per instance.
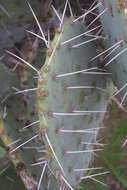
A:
(41, 93)
(74, 112)
(116, 44)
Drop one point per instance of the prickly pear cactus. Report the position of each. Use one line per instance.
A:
(12, 118)
(17, 112)
(71, 103)
(73, 93)
(114, 21)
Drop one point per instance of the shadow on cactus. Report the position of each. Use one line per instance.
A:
(15, 18)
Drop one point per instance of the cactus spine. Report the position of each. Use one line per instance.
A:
(73, 92)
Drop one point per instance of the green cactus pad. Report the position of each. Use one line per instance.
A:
(55, 99)
(114, 22)
(9, 132)
(18, 111)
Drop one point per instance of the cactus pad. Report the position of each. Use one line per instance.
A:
(114, 22)
(63, 99)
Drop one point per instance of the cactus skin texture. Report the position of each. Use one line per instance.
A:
(55, 97)
(114, 22)
(7, 80)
